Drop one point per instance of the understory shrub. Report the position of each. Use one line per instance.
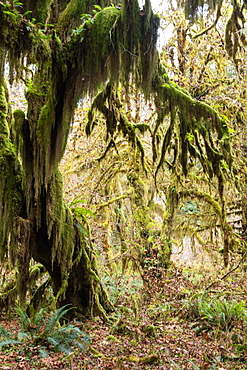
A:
(216, 312)
(44, 333)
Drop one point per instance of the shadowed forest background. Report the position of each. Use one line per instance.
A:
(123, 185)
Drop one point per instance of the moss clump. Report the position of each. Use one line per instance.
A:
(69, 18)
(101, 40)
(4, 130)
(40, 10)
(18, 127)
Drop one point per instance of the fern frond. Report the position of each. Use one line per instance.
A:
(43, 352)
(9, 342)
(24, 318)
(56, 317)
(4, 332)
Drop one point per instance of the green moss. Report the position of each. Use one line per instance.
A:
(11, 196)
(40, 10)
(194, 118)
(4, 130)
(59, 224)
(8, 295)
(19, 117)
(97, 49)
(206, 197)
(69, 18)
(18, 127)
(101, 34)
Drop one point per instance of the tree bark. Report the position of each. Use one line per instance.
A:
(82, 288)
(74, 274)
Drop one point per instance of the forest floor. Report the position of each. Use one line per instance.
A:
(156, 325)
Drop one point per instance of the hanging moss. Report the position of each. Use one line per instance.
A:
(4, 130)
(116, 45)
(235, 39)
(21, 39)
(130, 16)
(11, 198)
(101, 41)
(231, 241)
(107, 102)
(22, 256)
(96, 51)
(59, 222)
(66, 68)
(18, 127)
(8, 295)
(195, 118)
(40, 9)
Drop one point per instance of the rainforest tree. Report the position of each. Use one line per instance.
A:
(64, 50)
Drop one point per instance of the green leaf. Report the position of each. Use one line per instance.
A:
(81, 211)
(77, 200)
(18, 4)
(26, 13)
(10, 13)
(22, 336)
(98, 7)
(3, 332)
(86, 16)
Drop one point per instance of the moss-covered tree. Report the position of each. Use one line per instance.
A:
(64, 50)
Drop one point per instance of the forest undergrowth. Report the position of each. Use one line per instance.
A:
(182, 318)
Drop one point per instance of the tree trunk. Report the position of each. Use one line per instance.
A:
(70, 263)
(82, 288)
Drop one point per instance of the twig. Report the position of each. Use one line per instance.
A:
(229, 272)
(126, 195)
(128, 51)
(218, 14)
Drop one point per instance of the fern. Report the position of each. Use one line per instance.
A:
(24, 318)
(56, 317)
(3, 332)
(46, 334)
(216, 312)
(43, 352)
(8, 342)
